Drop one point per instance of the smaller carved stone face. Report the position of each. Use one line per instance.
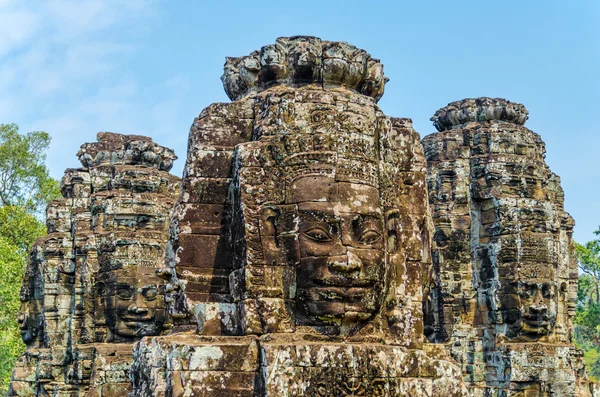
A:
(530, 312)
(30, 320)
(341, 245)
(30, 317)
(133, 299)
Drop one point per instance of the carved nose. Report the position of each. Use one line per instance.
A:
(538, 306)
(538, 309)
(352, 264)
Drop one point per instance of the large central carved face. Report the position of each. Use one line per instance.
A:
(134, 302)
(341, 246)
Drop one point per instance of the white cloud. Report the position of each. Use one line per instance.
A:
(61, 71)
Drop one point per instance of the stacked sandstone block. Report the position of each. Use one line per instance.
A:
(313, 248)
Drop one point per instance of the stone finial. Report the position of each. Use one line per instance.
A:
(479, 109)
(301, 60)
(114, 149)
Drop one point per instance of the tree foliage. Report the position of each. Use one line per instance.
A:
(12, 265)
(25, 189)
(587, 317)
(24, 179)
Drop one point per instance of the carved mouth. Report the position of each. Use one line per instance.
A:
(346, 294)
(341, 282)
(135, 320)
(536, 321)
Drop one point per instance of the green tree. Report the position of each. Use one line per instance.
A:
(12, 263)
(24, 179)
(587, 317)
(25, 189)
(585, 290)
(588, 256)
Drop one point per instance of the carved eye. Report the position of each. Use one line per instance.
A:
(523, 292)
(369, 237)
(547, 292)
(125, 293)
(150, 293)
(318, 234)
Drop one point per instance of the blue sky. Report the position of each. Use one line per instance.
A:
(73, 67)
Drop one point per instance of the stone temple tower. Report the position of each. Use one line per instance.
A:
(301, 240)
(505, 278)
(90, 288)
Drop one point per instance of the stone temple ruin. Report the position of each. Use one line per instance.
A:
(313, 247)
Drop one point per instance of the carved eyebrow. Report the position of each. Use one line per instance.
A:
(372, 217)
(319, 215)
(367, 217)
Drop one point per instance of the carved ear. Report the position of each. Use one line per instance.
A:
(100, 289)
(269, 222)
(562, 292)
(392, 219)
(100, 319)
(270, 229)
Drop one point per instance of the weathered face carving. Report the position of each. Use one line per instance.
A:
(30, 320)
(341, 246)
(530, 312)
(133, 299)
(29, 316)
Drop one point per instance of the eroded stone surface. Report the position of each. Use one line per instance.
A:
(300, 60)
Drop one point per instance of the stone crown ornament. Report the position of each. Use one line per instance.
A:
(117, 149)
(479, 109)
(301, 60)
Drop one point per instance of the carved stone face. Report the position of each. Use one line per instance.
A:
(133, 299)
(530, 312)
(340, 276)
(30, 317)
(30, 320)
